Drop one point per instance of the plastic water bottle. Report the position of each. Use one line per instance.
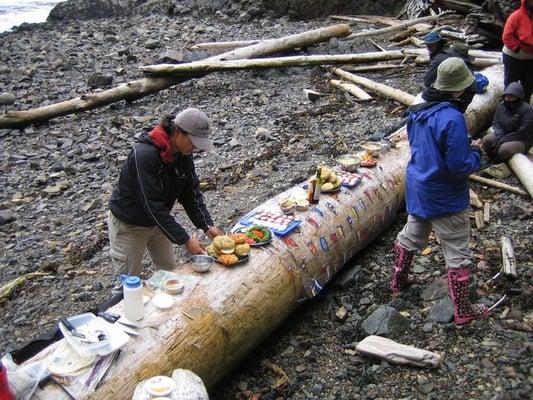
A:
(5, 393)
(133, 298)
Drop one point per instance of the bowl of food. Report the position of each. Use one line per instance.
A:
(201, 263)
(372, 148)
(349, 162)
(287, 206)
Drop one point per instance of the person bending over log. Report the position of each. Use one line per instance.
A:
(517, 49)
(159, 170)
(512, 126)
(436, 186)
(439, 50)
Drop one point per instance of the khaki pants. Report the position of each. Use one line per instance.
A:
(453, 232)
(128, 242)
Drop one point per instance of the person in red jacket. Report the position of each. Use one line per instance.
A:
(518, 48)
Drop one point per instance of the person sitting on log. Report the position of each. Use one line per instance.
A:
(436, 186)
(512, 126)
(159, 170)
(518, 48)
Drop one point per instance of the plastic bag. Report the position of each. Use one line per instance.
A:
(23, 379)
(481, 82)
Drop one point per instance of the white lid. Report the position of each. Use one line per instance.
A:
(163, 301)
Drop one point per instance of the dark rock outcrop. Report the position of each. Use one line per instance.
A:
(82, 9)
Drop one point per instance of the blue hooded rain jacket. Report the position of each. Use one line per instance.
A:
(436, 182)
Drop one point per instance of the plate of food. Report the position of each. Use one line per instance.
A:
(329, 187)
(229, 250)
(278, 223)
(256, 235)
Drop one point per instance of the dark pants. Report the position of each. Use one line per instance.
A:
(519, 70)
(504, 151)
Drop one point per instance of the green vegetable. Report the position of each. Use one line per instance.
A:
(258, 238)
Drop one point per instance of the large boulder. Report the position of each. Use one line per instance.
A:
(82, 9)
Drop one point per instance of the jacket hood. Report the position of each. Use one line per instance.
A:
(423, 111)
(515, 89)
(143, 138)
(525, 10)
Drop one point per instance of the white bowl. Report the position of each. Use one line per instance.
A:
(160, 385)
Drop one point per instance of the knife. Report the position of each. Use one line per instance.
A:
(71, 329)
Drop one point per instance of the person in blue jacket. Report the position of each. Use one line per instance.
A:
(436, 185)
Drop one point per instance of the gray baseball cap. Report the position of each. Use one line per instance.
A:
(195, 123)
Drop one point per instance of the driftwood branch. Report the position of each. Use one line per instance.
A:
(143, 87)
(276, 62)
(508, 257)
(399, 27)
(7, 289)
(351, 88)
(498, 185)
(384, 90)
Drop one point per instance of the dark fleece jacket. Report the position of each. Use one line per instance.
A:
(148, 188)
(516, 123)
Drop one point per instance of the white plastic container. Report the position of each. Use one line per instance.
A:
(133, 298)
(90, 326)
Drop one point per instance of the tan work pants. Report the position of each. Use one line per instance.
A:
(128, 242)
(452, 230)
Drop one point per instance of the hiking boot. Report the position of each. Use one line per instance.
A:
(400, 270)
(463, 310)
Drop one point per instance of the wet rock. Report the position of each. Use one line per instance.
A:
(385, 321)
(437, 290)
(99, 80)
(6, 216)
(7, 98)
(442, 310)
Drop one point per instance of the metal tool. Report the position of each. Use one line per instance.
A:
(50, 378)
(72, 329)
(114, 358)
(129, 327)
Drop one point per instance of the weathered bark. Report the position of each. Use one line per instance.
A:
(278, 62)
(354, 90)
(384, 90)
(508, 257)
(396, 353)
(214, 326)
(523, 169)
(497, 185)
(143, 87)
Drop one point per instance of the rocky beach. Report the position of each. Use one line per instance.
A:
(57, 178)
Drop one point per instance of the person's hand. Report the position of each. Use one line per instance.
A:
(213, 231)
(194, 246)
(475, 144)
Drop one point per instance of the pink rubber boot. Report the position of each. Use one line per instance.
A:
(400, 271)
(463, 310)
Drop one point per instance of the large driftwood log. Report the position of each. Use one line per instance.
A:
(384, 90)
(213, 326)
(474, 53)
(523, 169)
(277, 62)
(143, 87)
(396, 28)
(223, 46)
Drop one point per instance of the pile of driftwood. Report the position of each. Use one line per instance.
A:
(482, 20)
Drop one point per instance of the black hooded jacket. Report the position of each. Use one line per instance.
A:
(516, 123)
(148, 188)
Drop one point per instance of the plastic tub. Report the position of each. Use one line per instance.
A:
(90, 326)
